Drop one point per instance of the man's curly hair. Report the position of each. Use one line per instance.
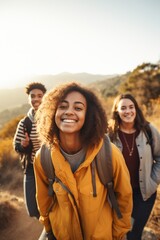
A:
(35, 85)
(95, 125)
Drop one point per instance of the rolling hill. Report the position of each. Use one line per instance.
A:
(10, 98)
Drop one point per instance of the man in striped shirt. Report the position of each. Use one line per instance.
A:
(26, 143)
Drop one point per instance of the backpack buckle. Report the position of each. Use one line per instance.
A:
(109, 185)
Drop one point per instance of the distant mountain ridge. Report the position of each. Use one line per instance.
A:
(11, 98)
(51, 81)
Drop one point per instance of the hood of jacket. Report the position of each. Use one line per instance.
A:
(31, 114)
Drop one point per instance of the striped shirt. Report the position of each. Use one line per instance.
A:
(20, 135)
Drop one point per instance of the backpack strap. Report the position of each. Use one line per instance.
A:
(27, 125)
(25, 157)
(46, 162)
(105, 172)
(148, 133)
(93, 165)
(104, 162)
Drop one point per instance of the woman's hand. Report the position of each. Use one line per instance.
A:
(25, 142)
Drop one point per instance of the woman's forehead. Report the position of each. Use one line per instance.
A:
(125, 101)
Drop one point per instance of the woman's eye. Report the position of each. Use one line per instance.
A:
(78, 109)
(62, 106)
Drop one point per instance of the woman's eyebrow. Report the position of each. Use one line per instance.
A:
(77, 102)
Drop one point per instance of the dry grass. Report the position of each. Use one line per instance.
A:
(15, 224)
(12, 177)
(8, 209)
(154, 220)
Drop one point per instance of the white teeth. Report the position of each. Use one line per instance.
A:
(68, 120)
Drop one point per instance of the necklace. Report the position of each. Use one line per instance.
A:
(128, 147)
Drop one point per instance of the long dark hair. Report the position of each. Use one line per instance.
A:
(140, 122)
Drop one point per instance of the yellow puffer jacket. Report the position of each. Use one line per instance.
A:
(81, 216)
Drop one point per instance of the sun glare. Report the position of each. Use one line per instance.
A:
(41, 37)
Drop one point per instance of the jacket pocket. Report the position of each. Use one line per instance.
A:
(151, 187)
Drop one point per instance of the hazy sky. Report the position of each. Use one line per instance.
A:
(94, 36)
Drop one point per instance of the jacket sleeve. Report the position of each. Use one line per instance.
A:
(123, 191)
(155, 174)
(19, 135)
(44, 201)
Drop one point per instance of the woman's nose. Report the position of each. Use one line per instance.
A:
(127, 110)
(69, 110)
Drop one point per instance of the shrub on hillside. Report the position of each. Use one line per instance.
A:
(8, 157)
(7, 212)
(11, 173)
(9, 128)
(8, 209)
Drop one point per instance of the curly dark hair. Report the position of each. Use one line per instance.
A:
(35, 85)
(95, 124)
(140, 122)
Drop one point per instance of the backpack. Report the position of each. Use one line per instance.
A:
(27, 124)
(103, 163)
(148, 134)
(26, 157)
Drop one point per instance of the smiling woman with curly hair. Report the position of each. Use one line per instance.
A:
(72, 123)
(95, 115)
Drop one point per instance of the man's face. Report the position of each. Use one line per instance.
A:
(35, 98)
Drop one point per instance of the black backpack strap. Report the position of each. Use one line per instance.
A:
(148, 133)
(105, 172)
(47, 165)
(27, 125)
(26, 153)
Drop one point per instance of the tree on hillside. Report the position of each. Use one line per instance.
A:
(143, 83)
